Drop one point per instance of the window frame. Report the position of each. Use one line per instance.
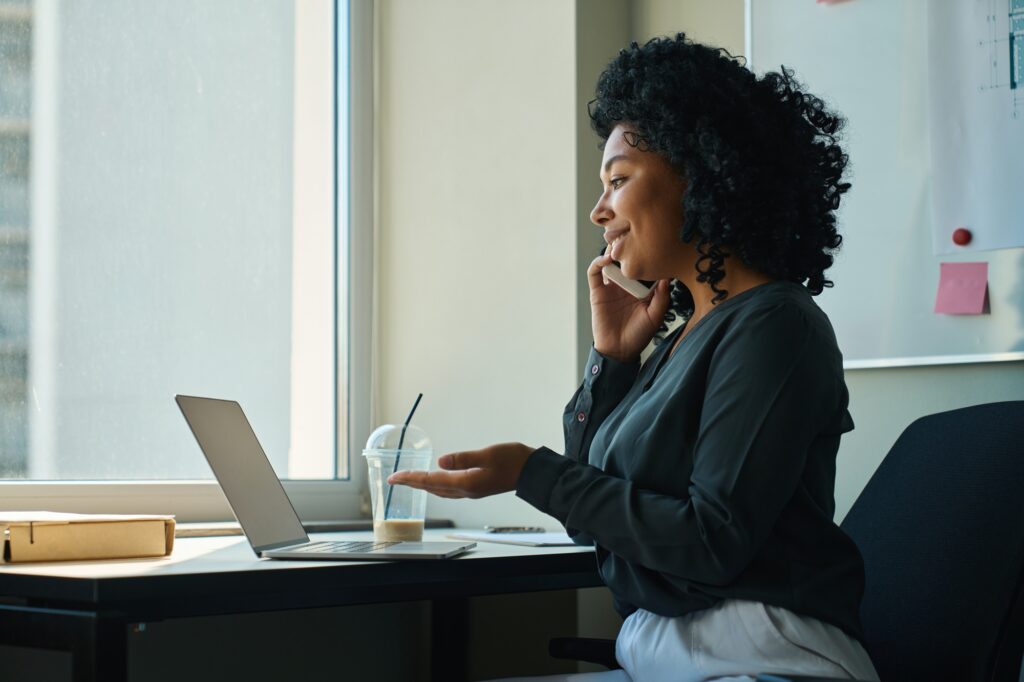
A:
(327, 499)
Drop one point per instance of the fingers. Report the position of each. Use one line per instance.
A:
(660, 302)
(450, 484)
(462, 460)
(473, 474)
(594, 275)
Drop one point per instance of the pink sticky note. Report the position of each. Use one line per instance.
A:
(963, 289)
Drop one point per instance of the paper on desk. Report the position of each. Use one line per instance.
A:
(550, 539)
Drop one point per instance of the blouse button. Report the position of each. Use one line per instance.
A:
(595, 369)
(580, 416)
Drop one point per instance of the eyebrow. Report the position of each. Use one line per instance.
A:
(617, 157)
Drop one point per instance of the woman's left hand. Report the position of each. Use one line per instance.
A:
(473, 474)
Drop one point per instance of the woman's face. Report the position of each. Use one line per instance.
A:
(641, 211)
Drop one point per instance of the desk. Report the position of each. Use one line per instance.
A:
(86, 608)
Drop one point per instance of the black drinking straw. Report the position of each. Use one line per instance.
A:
(398, 454)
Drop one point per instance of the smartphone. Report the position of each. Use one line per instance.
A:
(513, 529)
(614, 273)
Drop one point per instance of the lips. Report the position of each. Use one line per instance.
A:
(611, 235)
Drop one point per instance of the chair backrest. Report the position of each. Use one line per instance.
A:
(941, 528)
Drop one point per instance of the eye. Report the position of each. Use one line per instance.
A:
(616, 182)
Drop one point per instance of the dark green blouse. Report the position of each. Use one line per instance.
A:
(710, 474)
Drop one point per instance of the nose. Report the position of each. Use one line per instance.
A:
(602, 212)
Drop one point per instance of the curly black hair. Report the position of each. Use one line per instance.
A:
(760, 157)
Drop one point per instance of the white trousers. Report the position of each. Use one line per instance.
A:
(733, 641)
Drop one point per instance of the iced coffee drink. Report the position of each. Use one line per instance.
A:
(398, 530)
(398, 510)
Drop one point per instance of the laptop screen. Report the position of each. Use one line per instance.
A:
(253, 489)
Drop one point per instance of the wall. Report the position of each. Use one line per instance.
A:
(716, 22)
(476, 210)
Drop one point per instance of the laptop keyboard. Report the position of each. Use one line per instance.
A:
(349, 546)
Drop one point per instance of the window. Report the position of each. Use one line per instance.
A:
(174, 218)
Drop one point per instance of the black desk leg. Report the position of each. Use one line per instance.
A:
(97, 641)
(449, 638)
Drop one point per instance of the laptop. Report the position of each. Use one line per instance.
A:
(260, 503)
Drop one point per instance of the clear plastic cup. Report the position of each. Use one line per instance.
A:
(398, 511)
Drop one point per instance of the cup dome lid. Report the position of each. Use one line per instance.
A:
(388, 437)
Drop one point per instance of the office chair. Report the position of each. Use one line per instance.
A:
(941, 528)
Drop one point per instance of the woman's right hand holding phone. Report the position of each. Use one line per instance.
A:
(623, 325)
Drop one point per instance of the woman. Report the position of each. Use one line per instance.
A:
(705, 476)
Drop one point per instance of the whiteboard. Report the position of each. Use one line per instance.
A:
(868, 59)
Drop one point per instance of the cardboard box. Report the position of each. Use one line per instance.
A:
(54, 536)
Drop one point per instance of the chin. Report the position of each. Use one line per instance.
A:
(628, 270)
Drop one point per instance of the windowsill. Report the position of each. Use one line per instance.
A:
(189, 501)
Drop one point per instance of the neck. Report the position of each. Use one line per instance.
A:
(737, 279)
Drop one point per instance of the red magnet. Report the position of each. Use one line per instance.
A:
(962, 236)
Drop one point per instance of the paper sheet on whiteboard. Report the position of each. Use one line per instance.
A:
(976, 122)
(963, 289)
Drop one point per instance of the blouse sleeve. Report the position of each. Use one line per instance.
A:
(605, 382)
(768, 395)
